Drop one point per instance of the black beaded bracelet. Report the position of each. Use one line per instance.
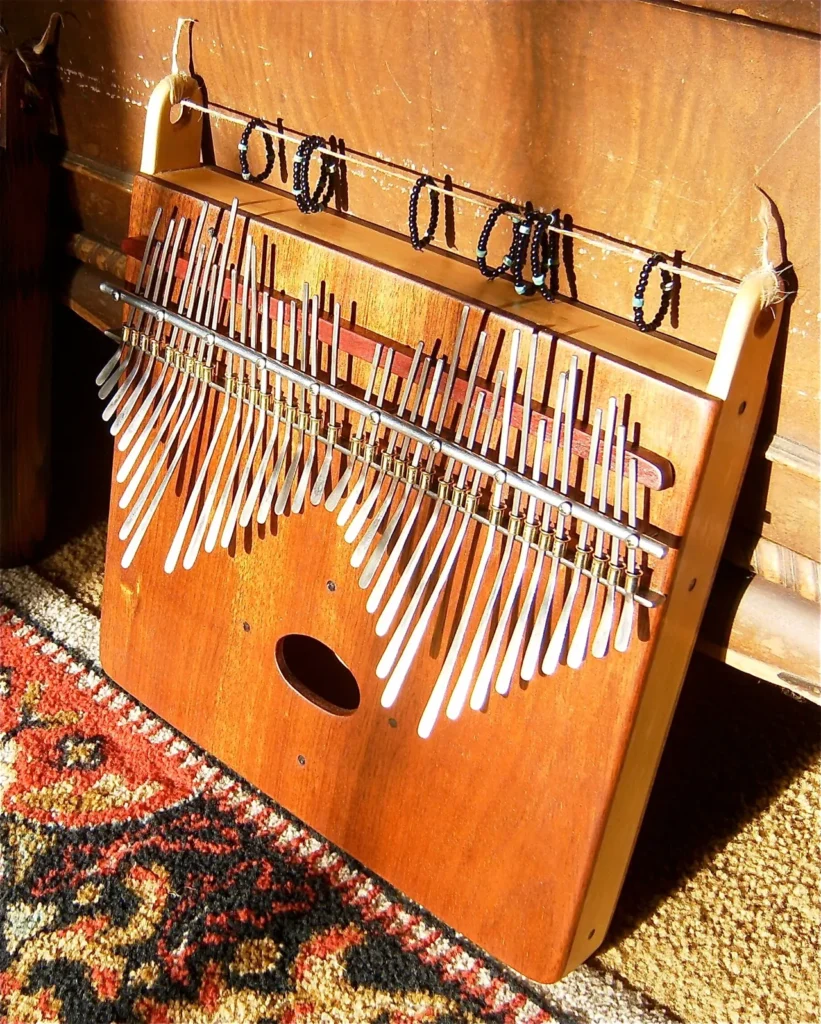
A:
(522, 230)
(242, 149)
(667, 285)
(316, 201)
(544, 254)
(481, 247)
(413, 212)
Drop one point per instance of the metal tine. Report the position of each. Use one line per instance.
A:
(392, 606)
(368, 503)
(504, 676)
(150, 362)
(135, 358)
(557, 641)
(202, 522)
(402, 666)
(361, 549)
(212, 536)
(185, 393)
(376, 595)
(191, 505)
(465, 677)
(601, 641)
(256, 486)
(292, 471)
(213, 314)
(624, 631)
(560, 537)
(130, 524)
(440, 689)
(313, 422)
(578, 645)
(285, 447)
(135, 421)
(332, 427)
(262, 391)
(197, 389)
(114, 365)
(481, 687)
(335, 496)
(353, 494)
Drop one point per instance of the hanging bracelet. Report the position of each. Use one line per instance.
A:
(522, 231)
(544, 254)
(242, 149)
(413, 212)
(316, 201)
(667, 285)
(484, 238)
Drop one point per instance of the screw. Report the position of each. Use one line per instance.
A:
(331, 586)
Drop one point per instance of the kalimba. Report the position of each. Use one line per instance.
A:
(421, 557)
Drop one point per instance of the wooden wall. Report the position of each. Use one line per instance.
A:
(646, 121)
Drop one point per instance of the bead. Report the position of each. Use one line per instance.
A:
(637, 302)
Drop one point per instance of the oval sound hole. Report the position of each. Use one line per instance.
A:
(317, 674)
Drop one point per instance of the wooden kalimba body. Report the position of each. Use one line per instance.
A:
(540, 471)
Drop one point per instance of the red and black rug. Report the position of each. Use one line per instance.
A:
(143, 882)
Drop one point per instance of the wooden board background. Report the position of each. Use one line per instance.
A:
(648, 121)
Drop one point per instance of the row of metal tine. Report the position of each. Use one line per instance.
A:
(146, 415)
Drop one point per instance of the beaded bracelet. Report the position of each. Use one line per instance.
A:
(522, 231)
(481, 247)
(544, 254)
(413, 211)
(667, 285)
(242, 149)
(316, 201)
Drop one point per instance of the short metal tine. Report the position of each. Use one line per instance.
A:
(256, 484)
(291, 473)
(581, 561)
(332, 427)
(601, 641)
(337, 493)
(578, 645)
(399, 473)
(358, 521)
(559, 537)
(285, 447)
(624, 630)
(313, 422)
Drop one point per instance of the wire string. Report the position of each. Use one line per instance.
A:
(713, 279)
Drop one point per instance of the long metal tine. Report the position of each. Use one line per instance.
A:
(560, 537)
(190, 507)
(285, 447)
(212, 536)
(465, 677)
(375, 596)
(601, 641)
(400, 466)
(130, 431)
(582, 559)
(313, 423)
(195, 543)
(624, 630)
(481, 688)
(578, 645)
(370, 499)
(157, 259)
(354, 492)
(113, 364)
(261, 394)
(392, 605)
(256, 486)
(183, 394)
(332, 427)
(335, 496)
(291, 473)
(150, 361)
(402, 666)
(440, 689)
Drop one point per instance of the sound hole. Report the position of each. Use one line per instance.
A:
(317, 674)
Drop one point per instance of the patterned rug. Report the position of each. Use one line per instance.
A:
(142, 882)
